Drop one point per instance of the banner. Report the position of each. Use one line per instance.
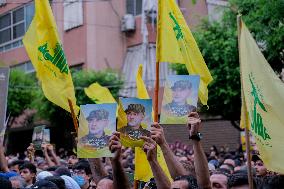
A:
(264, 97)
(176, 44)
(46, 53)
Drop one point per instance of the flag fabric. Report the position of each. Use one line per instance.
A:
(99, 94)
(176, 44)
(264, 97)
(46, 53)
(143, 170)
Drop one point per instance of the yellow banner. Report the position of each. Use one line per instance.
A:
(176, 44)
(99, 94)
(264, 97)
(143, 170)
(46, 53)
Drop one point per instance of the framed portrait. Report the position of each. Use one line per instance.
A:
(135, 120)
(179, 99)
(97, 122)
(37, 138)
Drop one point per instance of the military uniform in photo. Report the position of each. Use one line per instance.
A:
(91, 139)
(175, 109)
(134, 134)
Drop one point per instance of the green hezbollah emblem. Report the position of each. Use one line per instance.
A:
(58, 59)
(176, 28)
(183, 44)
(256, 119)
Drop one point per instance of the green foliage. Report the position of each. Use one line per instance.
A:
(218, 44)
(81, 80)
(23, 90)
(265, 19)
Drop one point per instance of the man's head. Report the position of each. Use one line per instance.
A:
(238, 180)
(81, 171)
(185, 182)
(15, 165)
(28, 172)
(98, 120)
(105, 183)
(17, 182)
(135, 114)
(219, 180)
(259, 166)
(181, 91)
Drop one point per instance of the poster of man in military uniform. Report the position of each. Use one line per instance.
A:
(180, 98)
(37, 138)
(139, 117)
(95, 133)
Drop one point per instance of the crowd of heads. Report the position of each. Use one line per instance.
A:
(60, 169)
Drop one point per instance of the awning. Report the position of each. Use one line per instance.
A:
(134, 57)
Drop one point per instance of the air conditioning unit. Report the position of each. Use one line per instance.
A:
(2, 2)
(128, 23)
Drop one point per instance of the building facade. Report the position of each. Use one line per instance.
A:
(100, 34)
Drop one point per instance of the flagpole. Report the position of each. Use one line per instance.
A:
(249, 168)
(73, 115)
(157, 85)
(135, 184)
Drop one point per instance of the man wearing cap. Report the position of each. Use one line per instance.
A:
(135, 114)
(97, 121)
(179, 106)
(261, 170)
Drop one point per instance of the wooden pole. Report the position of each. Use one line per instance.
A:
(249, 168)
(73, 115)
(157, 85)
(135, 184)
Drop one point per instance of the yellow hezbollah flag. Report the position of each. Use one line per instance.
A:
(99, 94)
(264, 97)
(46, 53)
(143, 170)
(175, 44)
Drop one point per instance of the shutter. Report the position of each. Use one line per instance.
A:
(73, 14)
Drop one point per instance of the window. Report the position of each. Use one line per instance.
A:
(134, 7)
(13, 26)
(73, 14)
(216, 9)
(27, 67)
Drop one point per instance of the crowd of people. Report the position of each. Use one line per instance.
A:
(189, 166)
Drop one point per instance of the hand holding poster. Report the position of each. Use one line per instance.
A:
(139, 118)
(180, 98)
(97, 123)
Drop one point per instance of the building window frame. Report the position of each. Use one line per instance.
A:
(15, 42)
(134, 8)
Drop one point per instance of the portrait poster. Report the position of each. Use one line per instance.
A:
(180, 98)
(46, 136)
(37, 138)
(136, 122)
(97, 122)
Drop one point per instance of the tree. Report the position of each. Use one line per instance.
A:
(23, 89)
(81, 80)
(218, 44)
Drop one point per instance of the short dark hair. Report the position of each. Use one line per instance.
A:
(56, 180)
(239, 178)
(192, 181)
(16, 162)
(31, 167)
(83, 165)
(5, 184)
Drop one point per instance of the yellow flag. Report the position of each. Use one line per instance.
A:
(99, 94)
(175, 44)
(264, 97)
(143, 170)
(46, 53)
